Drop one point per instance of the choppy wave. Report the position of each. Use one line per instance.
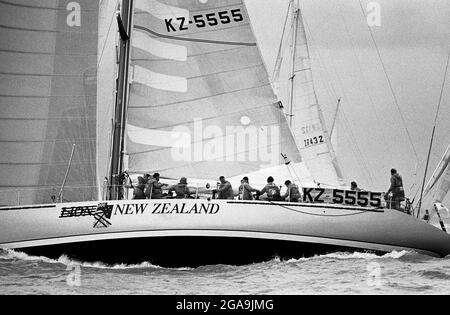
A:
(435, 274)
(370, 256)
(336, 273)
(404, 256)
(8, 254)
(356, 256)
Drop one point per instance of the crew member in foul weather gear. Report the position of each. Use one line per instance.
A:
(354, 186)
(271, 190)
(427, 216)
(181, 189)
(139, 189)
(153, 189)
(398, 193)
(124, 185)
(246, 191)
(225, 190)
(293, 193)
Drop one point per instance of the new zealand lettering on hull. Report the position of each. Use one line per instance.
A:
(104, 211)
(168, 208)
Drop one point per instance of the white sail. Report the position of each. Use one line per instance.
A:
(48, 53)
(201, 104)
(439, 184)
(308, 123)
(106, 86)
(444, 187)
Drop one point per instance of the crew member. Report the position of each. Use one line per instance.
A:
(246, 191)
(271, 190)
(398, 193)
(292, 193)
(181, 189)
(354, 186)
(225, 190)
(153, 189)
(125, 183)
(427, 216)
(139, 189)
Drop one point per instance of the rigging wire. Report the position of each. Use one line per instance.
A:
(369, 95)
(107, 34)
(432, 135)
(358, 149)
(390, 84)
(277, 68)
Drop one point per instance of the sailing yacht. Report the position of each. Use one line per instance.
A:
(91, 89)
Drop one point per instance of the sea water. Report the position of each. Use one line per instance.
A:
(338, 273)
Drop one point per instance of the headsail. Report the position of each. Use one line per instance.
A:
(308, 124)
(439, 184)
(201, 104)
(48, 91)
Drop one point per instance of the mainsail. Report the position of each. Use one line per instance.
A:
(48, 91)
(307, 121)
(201, 104)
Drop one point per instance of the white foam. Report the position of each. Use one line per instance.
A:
(356, 255)
(9, 254)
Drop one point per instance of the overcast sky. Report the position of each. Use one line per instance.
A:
(414, 41)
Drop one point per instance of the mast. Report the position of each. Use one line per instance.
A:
(295, 20)
(124, 20)
(280, 56)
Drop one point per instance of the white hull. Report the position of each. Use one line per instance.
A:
(318, 226)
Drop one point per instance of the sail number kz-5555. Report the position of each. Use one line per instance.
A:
(203, 20)
(343, 197)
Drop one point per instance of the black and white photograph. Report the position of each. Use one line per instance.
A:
(224, 153)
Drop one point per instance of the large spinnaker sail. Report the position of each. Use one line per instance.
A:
(48, 91)
(308, 123)
(201, 104)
